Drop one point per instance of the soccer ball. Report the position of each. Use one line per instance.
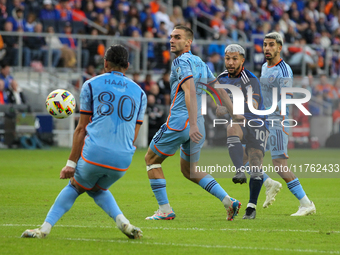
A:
(60, 103)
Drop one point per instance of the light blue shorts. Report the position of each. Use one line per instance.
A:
(88, 175)
(277, 142)
(166, 142)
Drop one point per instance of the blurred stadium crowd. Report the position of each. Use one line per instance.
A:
(310, 28)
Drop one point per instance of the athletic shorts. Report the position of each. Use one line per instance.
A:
(255, 137)
(88, 175)
(166, 142)
(277, 142)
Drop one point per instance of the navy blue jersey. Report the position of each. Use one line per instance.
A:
(246, 80)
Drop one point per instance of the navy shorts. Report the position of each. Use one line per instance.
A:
(255, 137)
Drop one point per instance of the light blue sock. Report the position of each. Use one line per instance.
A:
(106, 201)
(265, 176)
(62, 204)
(295, 187)
(158, 187)
(210, 184)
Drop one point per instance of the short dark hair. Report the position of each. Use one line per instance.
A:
(118, 56)
(276, 36)
(188, 32)
(4, 64)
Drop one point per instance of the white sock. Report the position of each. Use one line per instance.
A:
(226, 201)
(120, 220)
(166, 208)
(46, 227)
(251, 205)
(305, 201)
(267, 182)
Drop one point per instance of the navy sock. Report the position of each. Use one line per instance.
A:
(235, 151)
(255, 185)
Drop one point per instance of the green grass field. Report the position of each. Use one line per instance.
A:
(29, 183)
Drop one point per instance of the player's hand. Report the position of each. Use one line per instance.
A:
(195, 134)
(67, 172)
(238, 118)
(221, 110)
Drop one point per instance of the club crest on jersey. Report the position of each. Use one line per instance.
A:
(271, 78)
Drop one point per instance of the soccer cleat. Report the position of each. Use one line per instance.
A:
(34, 233)
(162, 216)
(233, 209)
(305, 210)
(240, 177)
(131, 231)
(250, 214)
(271, 191)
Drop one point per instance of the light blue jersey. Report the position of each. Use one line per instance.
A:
(278, 76)
(116, 104)
(175, 132)
(185, 67)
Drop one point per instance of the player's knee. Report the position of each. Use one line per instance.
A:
(185, 168)
(148, 158)
(233, 131)
(279, 162)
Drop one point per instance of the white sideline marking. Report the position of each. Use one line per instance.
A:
(192, 245)
(185, 229)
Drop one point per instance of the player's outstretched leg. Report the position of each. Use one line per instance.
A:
(208, 183)
(306, 206)
(62, 204)
(105, 200)
(272, 187)
(236, 154)
(158, 186)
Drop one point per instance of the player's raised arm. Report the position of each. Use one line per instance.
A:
(191, 102)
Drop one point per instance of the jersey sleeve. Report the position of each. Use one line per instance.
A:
(183, 71)
(86, 102)
(142, 108)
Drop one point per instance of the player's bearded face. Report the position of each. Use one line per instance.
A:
(178, 41)
(270, 48)
(233, 62)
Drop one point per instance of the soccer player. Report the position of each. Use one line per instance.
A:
(112, 109)
(254, 135)
(184, 128)
(277, 74)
